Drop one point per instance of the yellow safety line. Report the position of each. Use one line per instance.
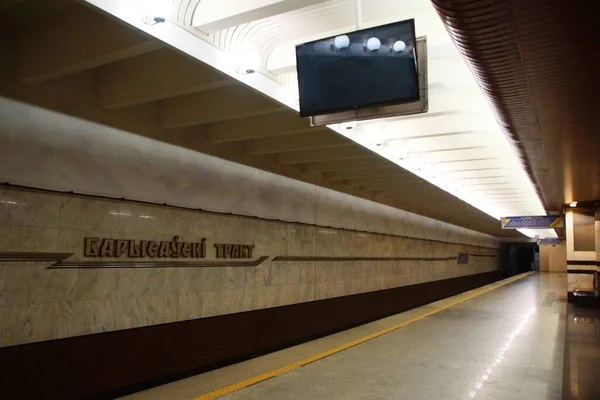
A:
(270, 374)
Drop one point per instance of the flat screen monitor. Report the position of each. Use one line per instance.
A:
(369, 67)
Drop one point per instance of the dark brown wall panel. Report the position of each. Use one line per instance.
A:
(116, 363)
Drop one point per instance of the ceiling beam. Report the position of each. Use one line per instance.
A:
(424, 195)
(434, 202)
(409, 204)
(161, 74)
(215, 15)
(233, 152)
(380, 181)
(344, 165)
(308, 156)
(391, 187)
(222, 104)
(388, 171)
(75, 41)
(285, 122)
(317, 138)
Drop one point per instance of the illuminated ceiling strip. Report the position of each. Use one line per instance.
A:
(186, 40)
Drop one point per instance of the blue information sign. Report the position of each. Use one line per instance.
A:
(551, 241)
(534, 222)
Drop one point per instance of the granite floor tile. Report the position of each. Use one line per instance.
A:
(487, 348)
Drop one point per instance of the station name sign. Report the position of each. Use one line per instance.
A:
(115, 248)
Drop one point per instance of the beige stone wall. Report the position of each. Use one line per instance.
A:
(586, 260)
(597, 232)
(544, 259)
(40, 303)
(553, 258)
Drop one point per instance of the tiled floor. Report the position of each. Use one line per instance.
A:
(582, 354)
(505, 344)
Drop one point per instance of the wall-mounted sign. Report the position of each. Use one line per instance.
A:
(131, 253)
(533, 222)
(130, 248)
(551, 241)
(463, 258)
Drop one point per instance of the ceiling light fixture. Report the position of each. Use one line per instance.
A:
(373, 44)
(399, 148)
(399, 46)
(246, 61)
(401, 153)
(341, 42)
(156, 11)
(348, 125)
(418, 164)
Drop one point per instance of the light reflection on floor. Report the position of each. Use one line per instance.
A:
(500, 356)
(582, 355)
(506, 344)
(518, 342)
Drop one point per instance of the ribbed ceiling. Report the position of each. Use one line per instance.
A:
(537, 63)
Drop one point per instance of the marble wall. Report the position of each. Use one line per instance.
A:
(597, 232)
(553, 258)
(39, 301)
(582, 266)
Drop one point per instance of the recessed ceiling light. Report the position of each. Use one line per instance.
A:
(247, 61)
(156, 11)
(348, 125)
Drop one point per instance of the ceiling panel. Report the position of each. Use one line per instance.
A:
(540, 71)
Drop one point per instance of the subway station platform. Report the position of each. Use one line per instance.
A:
(304, 200)
(515, 339)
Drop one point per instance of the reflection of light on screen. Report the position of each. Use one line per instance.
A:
(395, 46)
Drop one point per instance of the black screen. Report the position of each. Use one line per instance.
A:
(343, 73)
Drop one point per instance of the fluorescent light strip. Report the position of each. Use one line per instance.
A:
(473, 194)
